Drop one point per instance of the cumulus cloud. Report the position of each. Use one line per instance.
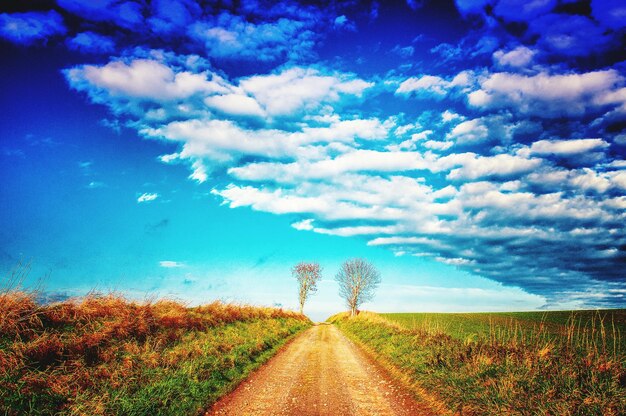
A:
(224, 140)
(296, 89)
(428, 83)
(235, 104)
(437, 145)
(492, 129)
(304, 225)
(30, 27)
(545, 95)
(141, 79)
(355, 161)
(567, 147)
(337, 199)
(286, 93)
(470, 131)
(448, 116)
(519, 57)
(502, 166)
(432, 85)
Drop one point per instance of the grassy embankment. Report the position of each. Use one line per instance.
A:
(106, 355)
(544, 363)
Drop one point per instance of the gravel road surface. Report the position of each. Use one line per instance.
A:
(321, 372)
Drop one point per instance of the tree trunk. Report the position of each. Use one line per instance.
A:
(353, 311)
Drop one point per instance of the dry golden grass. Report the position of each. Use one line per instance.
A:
(103, 354)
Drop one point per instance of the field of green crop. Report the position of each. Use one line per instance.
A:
(553, 363)
(605, 328)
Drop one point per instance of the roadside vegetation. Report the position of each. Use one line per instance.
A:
(106, 355)
(545, 363)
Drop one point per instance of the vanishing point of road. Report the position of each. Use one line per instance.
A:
(322, 373)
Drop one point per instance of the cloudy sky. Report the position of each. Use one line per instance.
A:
(472, 150)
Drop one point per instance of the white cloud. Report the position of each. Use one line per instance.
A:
(456, 261)
(357, 230)
(199, 172)
(144, 79)
(287, 93)
(585, 179)
(235, 104)
(567, 147)
(297, 89)
(402, 130)
(470, 131)
(589, 179)
(434, 86)
(528, 206)
(224, 140)
(147, 197)
(422, 241)
(221, 139)
(618, 179)
(502, 165)
(462, 166)
(304, 225)
(544, 94)
(354, 161)
(518, 57)
(341, 200)
(437, 145)
(448, 116)
(429, 83)
(410, 144)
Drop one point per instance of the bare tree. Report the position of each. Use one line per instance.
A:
(358, 280)
(307, 274)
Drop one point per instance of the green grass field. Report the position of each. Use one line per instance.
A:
(599, 326)
(527, 363)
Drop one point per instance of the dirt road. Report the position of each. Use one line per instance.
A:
(320, 373)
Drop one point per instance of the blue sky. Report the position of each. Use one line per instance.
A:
(472, 150)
